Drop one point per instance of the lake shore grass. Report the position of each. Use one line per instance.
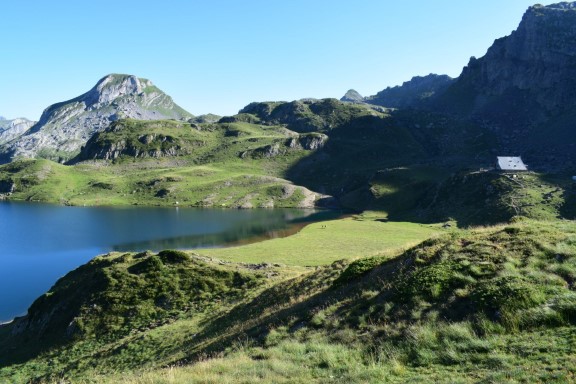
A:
(325, 242)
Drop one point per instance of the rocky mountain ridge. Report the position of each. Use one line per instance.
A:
(523, 88)
(11, 129)
(412, 93)
(352, 96)
(537, 62)
(64, 127)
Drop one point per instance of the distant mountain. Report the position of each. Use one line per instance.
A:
(11, 129)
(64, 127)
(413, 93)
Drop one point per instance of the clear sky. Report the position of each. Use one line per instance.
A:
(216, 56)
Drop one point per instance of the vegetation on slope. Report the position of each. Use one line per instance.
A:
(326, 146)
(176, 164)
(492, 304)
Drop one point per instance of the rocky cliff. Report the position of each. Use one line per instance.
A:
(11, 129)
(523, 88)
(64, 127)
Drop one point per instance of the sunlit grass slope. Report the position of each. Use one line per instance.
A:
(325, 242)
(494, 304)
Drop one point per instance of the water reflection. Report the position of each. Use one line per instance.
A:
(40, 243)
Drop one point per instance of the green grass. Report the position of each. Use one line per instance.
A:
(493, 304)
(350, 300)
(208, 172)
(534, 357)
(326, 242)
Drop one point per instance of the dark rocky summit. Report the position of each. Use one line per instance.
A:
(413, 93)
(524, 87)
(534, 67)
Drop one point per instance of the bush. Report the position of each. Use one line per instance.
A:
(359, 268)
(173, 257)
(506, 293)
(431, 281)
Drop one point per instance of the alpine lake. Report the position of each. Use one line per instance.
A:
(40, 243)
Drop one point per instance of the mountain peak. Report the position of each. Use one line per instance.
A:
(563, 6)
(124, 84)
(352, 96)
(64, 127)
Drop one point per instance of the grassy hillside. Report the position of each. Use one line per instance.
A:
(407, 165)
(467, 197)
(251, 159)
(495, 304)
(213, 165)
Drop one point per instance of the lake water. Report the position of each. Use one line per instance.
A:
(39, 243)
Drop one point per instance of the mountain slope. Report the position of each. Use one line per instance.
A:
(524, 86)
(414, 93)
(64, 127)
(495, 304)
(326, 146)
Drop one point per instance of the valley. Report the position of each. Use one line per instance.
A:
(444, 267)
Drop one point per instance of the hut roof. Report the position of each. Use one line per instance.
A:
(511, 163)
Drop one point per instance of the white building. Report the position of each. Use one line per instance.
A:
(510, 163)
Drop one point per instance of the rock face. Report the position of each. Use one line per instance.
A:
(413, 93)
(533, 67)
(524, 86)
(7, 186)
(136, 139)
(11, 129)
(64, 127)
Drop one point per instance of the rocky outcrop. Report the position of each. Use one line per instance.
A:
(523, 88)
(12, 129)
(308, 141)
(145, 146)
(7, 186)
(64, 127)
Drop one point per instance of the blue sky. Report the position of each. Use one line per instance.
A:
(217, 56)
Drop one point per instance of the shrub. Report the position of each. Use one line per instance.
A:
(173, 257)
(506, 293)
(431, 281)
(359, 268)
